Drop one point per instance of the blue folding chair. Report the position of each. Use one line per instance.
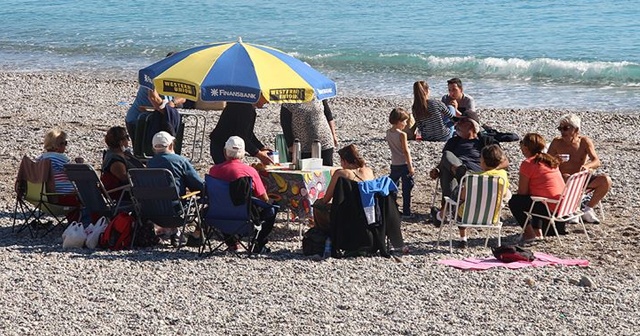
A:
(228, 215)
(155, 197)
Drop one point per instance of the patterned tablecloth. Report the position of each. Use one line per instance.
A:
(296, 189)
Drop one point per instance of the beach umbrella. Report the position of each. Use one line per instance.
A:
(236, 72)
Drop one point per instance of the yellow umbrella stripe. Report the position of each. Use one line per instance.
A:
(190, 71)
(275, 74)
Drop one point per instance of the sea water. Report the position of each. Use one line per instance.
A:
(510, 54)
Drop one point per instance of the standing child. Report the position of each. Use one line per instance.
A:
(401, 166)
(491, 158)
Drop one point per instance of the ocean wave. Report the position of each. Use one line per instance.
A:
(621, 73)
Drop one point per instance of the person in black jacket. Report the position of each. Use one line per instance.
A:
(461, 154)
(237, 119)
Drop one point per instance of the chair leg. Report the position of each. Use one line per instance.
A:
(584, 228)
(552, 223)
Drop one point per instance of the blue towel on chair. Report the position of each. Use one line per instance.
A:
(368, 190)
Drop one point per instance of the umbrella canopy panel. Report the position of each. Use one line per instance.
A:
(236, 72)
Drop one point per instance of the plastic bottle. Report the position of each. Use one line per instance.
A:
(295, 155)
(275, 157)
(327, 248)
(316, 148)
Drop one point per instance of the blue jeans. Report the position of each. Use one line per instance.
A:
(402, 171)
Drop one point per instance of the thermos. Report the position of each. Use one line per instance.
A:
(316, 148)
(295, 155)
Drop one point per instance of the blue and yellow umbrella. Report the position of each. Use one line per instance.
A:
(236, 72)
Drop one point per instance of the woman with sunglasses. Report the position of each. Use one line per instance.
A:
(117, 160)
(55, 146)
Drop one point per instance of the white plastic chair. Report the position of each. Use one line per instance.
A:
(481, 199)
(567, 207)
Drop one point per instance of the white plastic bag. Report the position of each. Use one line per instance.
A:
(74, 236)
(94, 236)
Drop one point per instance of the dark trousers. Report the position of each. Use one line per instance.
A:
(399, 172)
(518, 204)
(217, 152)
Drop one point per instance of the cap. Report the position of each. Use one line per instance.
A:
(235, 143)
(468, 115)
(162, 140)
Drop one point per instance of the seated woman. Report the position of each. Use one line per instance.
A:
(55, 144)
(431, 114)
(116, 161)
(353, 168)
(539, 176)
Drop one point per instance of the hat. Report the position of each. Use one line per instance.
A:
(468, 115)
(235, 143)
(162, 140)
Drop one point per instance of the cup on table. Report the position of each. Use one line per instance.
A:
(564, 157)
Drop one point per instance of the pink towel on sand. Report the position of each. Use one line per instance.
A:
(542, 259)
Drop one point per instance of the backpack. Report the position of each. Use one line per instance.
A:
(313, 242)
(118, 234)
(509, 253)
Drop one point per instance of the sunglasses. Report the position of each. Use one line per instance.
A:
(564, 128)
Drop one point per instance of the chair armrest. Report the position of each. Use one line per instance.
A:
(59, 194)
(544, 199)
(262, 204)
(124, 187)
(448, 200)
(190, 194)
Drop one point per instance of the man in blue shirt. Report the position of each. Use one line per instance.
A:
(183, 171)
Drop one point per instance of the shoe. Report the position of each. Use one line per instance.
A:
(178, 240)
(589, 216)
(194, 241)
(409, 216)
(261, 249)
(462, 244)
(436, 217)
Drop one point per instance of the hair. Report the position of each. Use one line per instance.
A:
(398, 114)
(570, 119)
(54, 139)
(351, 155)
(420, 96)
(455, 81)
(535, 143)
(234, 153)
(114, 136)
(492, 155)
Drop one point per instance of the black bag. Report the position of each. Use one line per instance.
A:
(313, 242)
(509, 253)
(145, 235)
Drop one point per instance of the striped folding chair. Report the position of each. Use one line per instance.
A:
(565, 208)
(478, 206)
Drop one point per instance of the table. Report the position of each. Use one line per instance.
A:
(297, 189)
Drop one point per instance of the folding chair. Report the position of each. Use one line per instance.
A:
(356, 231)
(481, 198)
(155, 198)
(567, 207)
(34, 196)
(231, 216)
(92, 193)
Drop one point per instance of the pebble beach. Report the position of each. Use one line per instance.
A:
(47, 290)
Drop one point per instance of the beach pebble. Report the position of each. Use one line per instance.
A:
(585, 281)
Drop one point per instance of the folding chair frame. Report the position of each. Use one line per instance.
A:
(158, 202)
(33, 207)
(483, 199)
(92, 193)
(219, 200)
(567, 207)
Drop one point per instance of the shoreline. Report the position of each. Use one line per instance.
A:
(166, 292)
